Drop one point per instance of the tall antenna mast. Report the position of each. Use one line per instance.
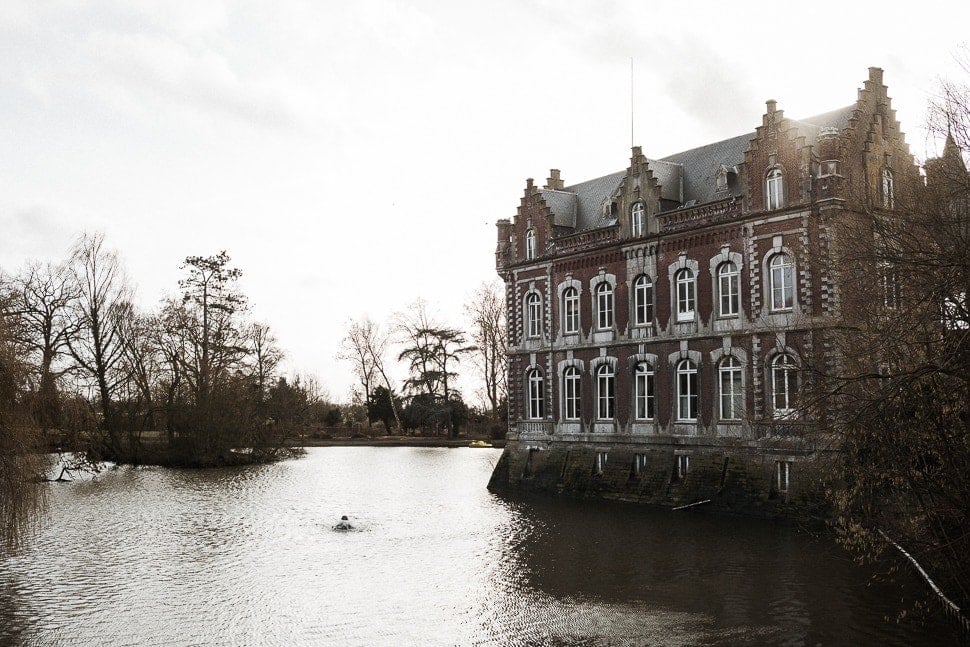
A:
(631, 103)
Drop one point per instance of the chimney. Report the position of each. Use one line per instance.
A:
(772, 105)
(504, 227)
(875, 75)
(554, 181)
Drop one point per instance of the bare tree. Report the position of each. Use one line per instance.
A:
(894, 395)
(102, 301)
(365, 346)
(42, 295)
(264, 356)
(141, 363)
(486, 312)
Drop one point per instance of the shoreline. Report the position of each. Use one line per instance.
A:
(391, 441)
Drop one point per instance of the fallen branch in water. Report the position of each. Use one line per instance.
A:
(691, 505)
(948, 605)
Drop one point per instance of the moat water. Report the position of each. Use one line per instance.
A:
(154, 556)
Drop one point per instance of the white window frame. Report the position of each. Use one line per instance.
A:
(784, 384)
(535, 395)
(681, 466)
(774, 189)
(781, 282)
(730, 399)
(685, 282)
(603, 296)
(599, 464)
(570, 311)
(687, 386)
(888, 189)
(644, 392)
(571, 393)
(605, 392)
(639, 464)
(533, 314)
(638, 218)
(642, 301)
(783, 473)
(728, 289)
(889, 285)
(530, 244)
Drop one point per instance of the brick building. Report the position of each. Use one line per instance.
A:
(659, 316)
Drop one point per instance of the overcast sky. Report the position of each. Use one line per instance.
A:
(353, 156)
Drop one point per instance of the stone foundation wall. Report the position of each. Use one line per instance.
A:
(738, 479)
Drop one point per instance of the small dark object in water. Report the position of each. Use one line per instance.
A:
(344, 524)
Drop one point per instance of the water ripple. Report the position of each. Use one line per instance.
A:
(150, 556)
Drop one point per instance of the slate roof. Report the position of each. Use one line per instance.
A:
(701, 165)
(685, 176)
(587, 203)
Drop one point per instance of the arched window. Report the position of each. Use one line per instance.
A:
(684, 280)
(536, 401)
(530, 244)
(571, 393)
(643, 393)
(784, 384)
(686, 391)
(642, 300)
(774, 189)
(604, 306)
(729, 386)
(728, 289)
(638, 219)
(570, 311)
(533, 314)
(888, 189)
(782, 275)
(605, 392)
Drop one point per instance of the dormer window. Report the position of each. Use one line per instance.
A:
(638, 218)
(774, 189)
(722, 179)
(530, 244)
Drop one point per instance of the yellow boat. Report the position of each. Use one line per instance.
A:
(479, 443)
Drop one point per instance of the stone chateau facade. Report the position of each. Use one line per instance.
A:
(659, 316)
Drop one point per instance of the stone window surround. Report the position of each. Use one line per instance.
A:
(633, 300)
(638, 207)
(682, 263)
(594, 366)
(530, 244)
(725, 256)
(719, 354)
(774, 174)
(887, 187)
(529, 371)
(526, 321)
(780, 348)
(561, 372)
(570, 282)
(594, 284)
(673, 359)
(777, 317)
(651, 360)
